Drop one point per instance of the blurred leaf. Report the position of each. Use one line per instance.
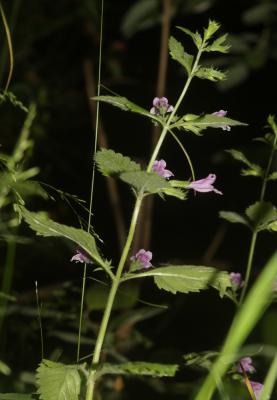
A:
(17, 396)
(238, 72)
(177, 52)
(4, 368)
(270, 380)
(140, 368)
(97, 296)
(111, 163)
(196, 37)
(261, 214)
(210, 74)
(203, 359)
(126, 105)
(11, 97)
(186, 278)
(57, 381)
(44, 226)
(141, 15)
(234, 217)
(259, 13)
(254, 169)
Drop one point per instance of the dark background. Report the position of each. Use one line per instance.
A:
(52, 41)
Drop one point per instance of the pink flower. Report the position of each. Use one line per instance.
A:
(257, 388)
(81, 257)
(245, 365)
(236, 280)
(204, 185)
(159, 167)
(222, 113)
(143, 257)
(161, 106)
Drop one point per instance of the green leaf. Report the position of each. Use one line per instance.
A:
(186, 278)
(261, 214)
(234, 217)
(140, 368)
(111, 163)
(177, 52)
(4, 368)
(196, 123)
(210, 31)
(203, 359)
(17, 396)
(254, 169)
(149, 182)
(44, 226)
(211, 74)
(196, 37)
(219, 45)
(126, 105)
(57, 381)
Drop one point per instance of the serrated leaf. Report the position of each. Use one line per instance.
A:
(140, 368)
(177, 52)
(175, 192)
(110, 163)
(126, 105)
(272, 176)
(57, 381)
(186, 278)
(196, 37)
(261, 214)
(149, 182)
(219, 45)
(44, 226)
(234, 217)
(254, 169)
(211, 74)
(211, 29)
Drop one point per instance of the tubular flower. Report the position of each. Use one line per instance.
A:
(143, 257)
(222, 113)
(159, 167)
(161, 106)
(245, 364)
(81, 257)
(204, 185)
(236, 280)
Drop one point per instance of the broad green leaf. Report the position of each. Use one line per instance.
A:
(211, 74)
(186, 278)
(261, 214)
(234, 217)
(17, 396)
(44, 226)
(196, 123)
(126, 105)
(254, 169)
(272, 176)
(111, 163)
(177, 52)
(196, 37)
(57, 381)
(211, 29)
(4, 368)
(141, 15)
(140, 368)
(219, 45)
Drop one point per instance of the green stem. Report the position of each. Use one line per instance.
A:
(249, 265)
(10, 47)
(106, 316)
(266, 174)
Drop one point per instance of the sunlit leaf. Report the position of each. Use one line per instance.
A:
(178, 54)
(140, 368)
(57, 381)
(234, 217)
(111, 163)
